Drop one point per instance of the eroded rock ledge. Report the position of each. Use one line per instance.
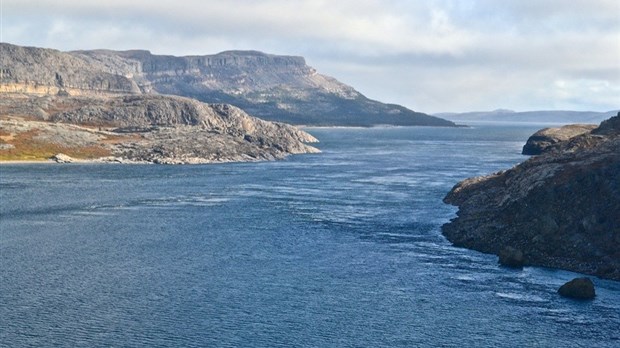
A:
(561, 208)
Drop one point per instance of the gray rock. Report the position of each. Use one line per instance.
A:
(561, 208)
(578, 288)
(62, 158)
(277, 88)
(51, 72)
(154, 129)
(545, 138)
(610, 126)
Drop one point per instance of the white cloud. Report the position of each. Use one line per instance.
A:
(432, 56)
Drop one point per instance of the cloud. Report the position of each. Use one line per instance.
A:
(370, 27)
(432, 56)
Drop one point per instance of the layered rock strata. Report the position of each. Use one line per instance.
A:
(272, 87)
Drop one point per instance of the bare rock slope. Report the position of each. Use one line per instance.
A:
(141, 128)
(561, 208)
(50, 72)
(277, 88)
(545, 138)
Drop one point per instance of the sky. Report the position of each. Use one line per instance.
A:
(431, 56)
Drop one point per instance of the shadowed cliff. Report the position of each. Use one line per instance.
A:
(561, 208)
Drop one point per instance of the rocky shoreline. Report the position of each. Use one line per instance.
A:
(561, 209)
(140, 129)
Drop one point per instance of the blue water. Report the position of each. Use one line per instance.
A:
(339, 249)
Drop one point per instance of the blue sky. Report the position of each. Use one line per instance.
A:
(431, 56)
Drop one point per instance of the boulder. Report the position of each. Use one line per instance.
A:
(578, 288)
(62, 158)
(511, 257)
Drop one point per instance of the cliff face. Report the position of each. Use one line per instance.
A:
(279, 88)
(562, 208)
(103, 104)
(46, 71)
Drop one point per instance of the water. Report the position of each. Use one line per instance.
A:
(339, 249)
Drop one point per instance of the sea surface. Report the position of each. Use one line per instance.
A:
(338, 249)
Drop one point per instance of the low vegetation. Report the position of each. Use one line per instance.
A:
(27, 146)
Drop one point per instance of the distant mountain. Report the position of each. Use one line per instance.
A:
(277, 88)
(70, 107)
(503, 115)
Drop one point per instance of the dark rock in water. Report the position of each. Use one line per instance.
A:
(511, 257)
(561, 208)
(545, 138)
(578, 288)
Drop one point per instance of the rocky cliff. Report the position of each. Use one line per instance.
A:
(46, 71)
(141, 128)
(561, 208)
(279, 88)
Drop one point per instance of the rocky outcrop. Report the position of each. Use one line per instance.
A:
(62, 158)
(142, 128)
(545, 138)
(49, 72)
(561, 208)
(277, 88)
(578, 288)
(511, 257)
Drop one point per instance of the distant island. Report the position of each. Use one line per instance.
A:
(540, 116)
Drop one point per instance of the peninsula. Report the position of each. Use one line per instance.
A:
(559, 209)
